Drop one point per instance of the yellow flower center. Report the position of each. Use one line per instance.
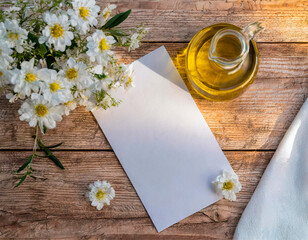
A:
(84, 12)
(71, 73)
(56, 31)
(103, 45)
(228, 185)
(100, 195)
(106, 14)
(128, 82)
(13, 36)
(1, 74)
(40, 110)
(54, 87)
(68, 103)
(30, 77)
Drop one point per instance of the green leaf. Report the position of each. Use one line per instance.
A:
(116, 32)
(43, 50)
(116, 20)
(50, 60)
(55, 160)
(54, 146)
(49, 154)
(21, 180)
(25, 164)
(100, 76)
(100, 95)
(33, 37)
(36, 27)
(40, 48)
(44, 129)
(2, 18)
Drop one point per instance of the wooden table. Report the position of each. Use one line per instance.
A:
(248, 129)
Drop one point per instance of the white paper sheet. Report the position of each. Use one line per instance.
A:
(163, 142)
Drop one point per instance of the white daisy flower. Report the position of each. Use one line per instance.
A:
(56, 32)
(106, 13)
(5, 54)
(13, 34)
(87, 99)
(134, 42)
(100, 193)
(76, 74)
(69, 106)
(228, 185)
(105, 83)
(55, 89)
(121, 74)
(99, 46)
(84, 14)
(41, 112)
(26, 79)
(12, 9)
(126, 75)
(105, 79)
(136, 37)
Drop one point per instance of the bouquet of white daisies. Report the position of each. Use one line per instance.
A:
(56, 55)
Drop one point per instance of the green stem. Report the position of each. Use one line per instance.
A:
(35, 141)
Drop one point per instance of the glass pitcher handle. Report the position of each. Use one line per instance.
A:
(252, 29)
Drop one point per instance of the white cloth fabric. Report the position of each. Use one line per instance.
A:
(278, 208)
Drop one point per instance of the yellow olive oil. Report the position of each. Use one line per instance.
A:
(229, 47)
(211, 79)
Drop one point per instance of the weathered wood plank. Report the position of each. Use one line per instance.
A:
(179, 21)
(215, 5)
(256, 120)
(57, 206)
(181, 26)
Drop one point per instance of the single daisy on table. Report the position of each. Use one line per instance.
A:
(76, 74)
(228, 185)
(100, 193)
(56, 32)
(13, 34)
(84, 14)
(99, 47)
(5, 54)
(40, 112)
(55, 89)
(26, 79)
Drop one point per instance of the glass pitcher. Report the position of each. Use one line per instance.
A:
(222, 60)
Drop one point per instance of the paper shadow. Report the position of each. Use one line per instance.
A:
(153, 61)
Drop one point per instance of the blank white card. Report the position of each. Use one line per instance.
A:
(163, 142)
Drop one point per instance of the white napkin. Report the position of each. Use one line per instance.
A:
(278, 208)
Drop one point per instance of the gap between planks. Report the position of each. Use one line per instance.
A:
(111, 150)
(258, 42)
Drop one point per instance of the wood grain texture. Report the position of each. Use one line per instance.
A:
(57, 207)
(179, 21)
(217, 5)
(256, 120)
